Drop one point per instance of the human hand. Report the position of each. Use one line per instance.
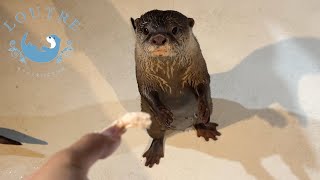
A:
(74, 162)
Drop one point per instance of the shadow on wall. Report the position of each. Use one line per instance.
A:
(271, 75)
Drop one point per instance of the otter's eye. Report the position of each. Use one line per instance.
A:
(49, 37)
(145, 31)
(174, 30)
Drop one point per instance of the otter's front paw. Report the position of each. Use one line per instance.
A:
(204, 111)
(165, 117)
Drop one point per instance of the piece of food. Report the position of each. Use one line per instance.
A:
(133, 119)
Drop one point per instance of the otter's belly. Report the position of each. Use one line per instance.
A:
(184, 106)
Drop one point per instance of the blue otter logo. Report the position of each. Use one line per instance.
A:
(40, 60)
(40, 55)
(45, 54)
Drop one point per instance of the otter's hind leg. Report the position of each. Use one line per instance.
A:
(154, 153)
(207, 131)
(156, 149)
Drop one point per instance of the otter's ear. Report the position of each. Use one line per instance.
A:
(191, 22)
(134, 23)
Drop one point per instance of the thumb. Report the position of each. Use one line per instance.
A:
(94, 146)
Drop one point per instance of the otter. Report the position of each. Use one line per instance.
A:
(172, 78)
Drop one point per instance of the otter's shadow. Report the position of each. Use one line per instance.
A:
(227, 113)
(252, 140)
(271, 75)
(249, 140)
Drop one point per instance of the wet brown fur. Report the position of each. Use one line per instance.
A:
(170, 76)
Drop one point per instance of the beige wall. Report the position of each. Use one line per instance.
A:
(263, 58)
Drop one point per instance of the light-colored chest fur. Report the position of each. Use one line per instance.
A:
(167, 73)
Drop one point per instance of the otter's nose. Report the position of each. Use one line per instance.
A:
(159, 40)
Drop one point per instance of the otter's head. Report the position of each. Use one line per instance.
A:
(163, 33)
